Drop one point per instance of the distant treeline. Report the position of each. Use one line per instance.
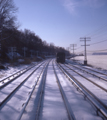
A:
(26, 40)
(101, 53)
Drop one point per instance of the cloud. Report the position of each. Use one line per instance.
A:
(72, 5)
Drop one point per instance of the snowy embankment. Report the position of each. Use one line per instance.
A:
(99, 61)
(11, 70)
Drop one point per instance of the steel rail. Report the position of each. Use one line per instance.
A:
(89, 91)
(41, 91)
(87, 79)
(15, 74)
(21, 73)
(30, 94)
(1, 103)
(100, 107)
(95, 71)
(90, 73)
(67, 105)
(91, 69)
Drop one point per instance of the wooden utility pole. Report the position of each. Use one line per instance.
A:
(73, 46)
(85, 39)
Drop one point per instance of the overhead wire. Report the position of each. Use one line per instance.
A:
(98, 42)
(91, 34)
(100, 30)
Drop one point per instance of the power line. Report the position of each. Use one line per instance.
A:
(98, 42)
(100, 28)
(79, 47)
(99, 34)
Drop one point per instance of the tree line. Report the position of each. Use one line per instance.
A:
(25, 42)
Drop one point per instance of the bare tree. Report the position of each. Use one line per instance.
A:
(7, 14)
(7, 21)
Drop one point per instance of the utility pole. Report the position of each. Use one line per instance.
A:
(73, 45)
(85, 39)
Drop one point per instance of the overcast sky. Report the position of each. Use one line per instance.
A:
(63, 22)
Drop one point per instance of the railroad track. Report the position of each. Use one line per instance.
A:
(67, 105)
(89, 68)
(14, 76)
(95, 83)
(7, 96)
(101, 108)
(41, 91)
(90, 71)
(32, 83)
(39, 96)
(17, 87)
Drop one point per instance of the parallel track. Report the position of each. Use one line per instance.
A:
(67, 105)
(14, 76)
(87, 79)
(40, 91)
(16, 88)
(91, 72)
(100, 106)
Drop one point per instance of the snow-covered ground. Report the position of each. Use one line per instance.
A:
(52, 107)
(11, 70)
(11, 108)
(102, 95)
(81, 108)
(99, 61)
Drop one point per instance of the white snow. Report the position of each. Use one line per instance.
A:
(101, 94)
(52, 107)
(11, 70)
(99, 61)
(81, 108)
(12, 108)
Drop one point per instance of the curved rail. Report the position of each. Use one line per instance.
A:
(100, 107)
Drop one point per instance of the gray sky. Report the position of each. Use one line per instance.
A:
(63, 22)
